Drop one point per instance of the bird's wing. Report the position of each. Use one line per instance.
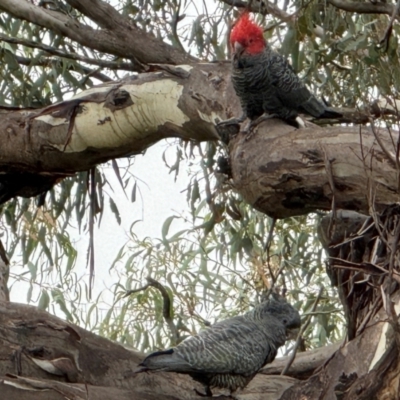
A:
(291, 89)
(167, 360)
(236, 346)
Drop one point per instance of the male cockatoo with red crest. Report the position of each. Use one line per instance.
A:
(265, 82)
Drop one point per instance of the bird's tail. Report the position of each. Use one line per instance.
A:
(166, 360)
(330, 113)
(156, 360)
(318, 109)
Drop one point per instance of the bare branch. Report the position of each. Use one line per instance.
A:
(364, 7)
(166, 306)
(127, 66)
(4, 273)
(46, 62)
(264, 8)
(304, 364)
(166, 309)
(302, 330)
(390, 156)
(124, 40)
(386, 36)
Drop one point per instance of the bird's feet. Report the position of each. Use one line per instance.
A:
(248, 129)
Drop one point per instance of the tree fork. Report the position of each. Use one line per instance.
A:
(359, 266)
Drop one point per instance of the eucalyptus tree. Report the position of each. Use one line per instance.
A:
(87, 86)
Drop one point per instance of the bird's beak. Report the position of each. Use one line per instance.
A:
(238, 47)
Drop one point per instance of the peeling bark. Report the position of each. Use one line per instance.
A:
(129, 116)
(304, 170)
(112, 120)
(280, 170)
(44, 357)
(360, 261)
(41, 352)
(300, 171)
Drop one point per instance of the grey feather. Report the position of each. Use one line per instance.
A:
(229, 353)
(266, 83)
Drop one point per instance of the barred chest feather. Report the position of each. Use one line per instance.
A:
(252, 82)
(230, 381)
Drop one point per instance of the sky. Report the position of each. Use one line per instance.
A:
(160, 196)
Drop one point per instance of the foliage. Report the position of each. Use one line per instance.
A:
(212, 257)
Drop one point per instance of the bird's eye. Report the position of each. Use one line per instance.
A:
(284, 321)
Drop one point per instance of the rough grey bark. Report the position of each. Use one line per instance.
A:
(44, 357)
(280, 170)
(299, 171)
(364, 265)
(283, 171)
(283, 164)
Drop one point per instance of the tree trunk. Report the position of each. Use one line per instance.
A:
(279, 170)
(44, 357)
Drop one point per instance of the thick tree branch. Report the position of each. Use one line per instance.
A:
(125, 41)
(124, 118)
(264, 8)
(353, 369)
(291, 178)
(42, 353)
(109, 121)
(363, 7)
(46, 358)
(304, 364)
(47, 62)
(73, 56)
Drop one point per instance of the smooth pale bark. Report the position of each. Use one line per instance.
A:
(116, 120)
(280, 171)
